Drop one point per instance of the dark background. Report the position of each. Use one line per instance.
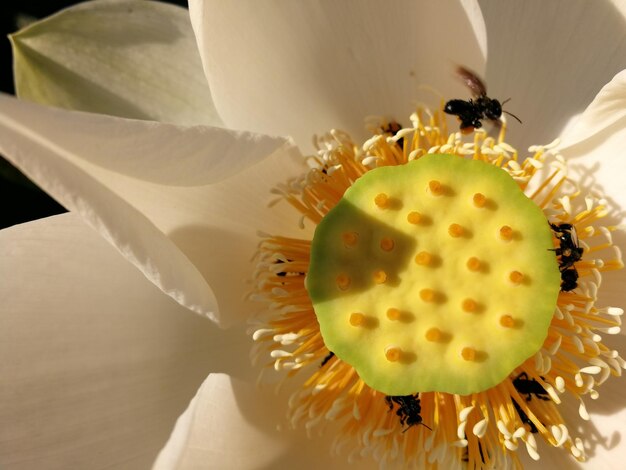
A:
(20, 199)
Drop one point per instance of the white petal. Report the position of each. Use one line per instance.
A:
(96, 362)
(304, 67)
(179, 236)
(606, 113)
(550, 58)
(126, 58)
(595, 145)
(230, 424)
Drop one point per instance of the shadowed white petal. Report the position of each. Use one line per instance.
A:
(126, 58)
(594, 145)
(300, 68)
(96, 362)
(231, 424)
(551, 59)
(180, 236)
(605, 114)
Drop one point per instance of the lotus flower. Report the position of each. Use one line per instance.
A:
(167, 199)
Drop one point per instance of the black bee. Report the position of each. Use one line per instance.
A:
(287, 273)
(390, 129)
(473, 111)
(524, 418)
(529, 387)
(409, 409)
(327, 358)
(569, 252)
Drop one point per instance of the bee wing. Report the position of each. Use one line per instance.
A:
(472, 82)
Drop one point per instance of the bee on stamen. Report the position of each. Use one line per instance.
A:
(529, 387)
(408, 411)
(524, 418)
(569, 252)
(473, 111)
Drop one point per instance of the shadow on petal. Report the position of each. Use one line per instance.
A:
(550, 65)
(212, 249)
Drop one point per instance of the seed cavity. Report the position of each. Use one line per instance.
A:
(393, 314)
(468, 353)
(343, 281)
(469, 305)
(433, 334)
(456, 230)
(393, 353)
(479, 200)
(414, 217)
(474, 264)
(427, 295)
(516, 277)
(350, 238)
(357, 319)
(387, 244)
(436, 188)
(379, 276)
(506, 233)
(382, 200)
(424, 258)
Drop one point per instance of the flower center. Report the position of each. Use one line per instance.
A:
(437, 275)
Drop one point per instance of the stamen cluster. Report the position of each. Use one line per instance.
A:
(479, 430)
